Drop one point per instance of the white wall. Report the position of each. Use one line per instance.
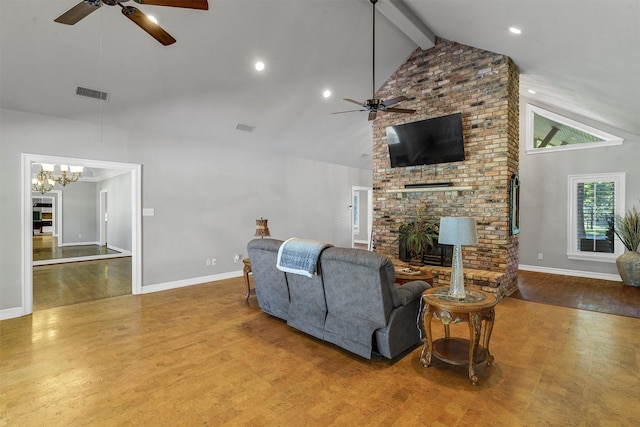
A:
(544, 196)
(206, 195)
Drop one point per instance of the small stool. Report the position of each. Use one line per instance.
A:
(247, 271)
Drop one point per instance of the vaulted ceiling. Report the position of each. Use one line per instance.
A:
(582, 57)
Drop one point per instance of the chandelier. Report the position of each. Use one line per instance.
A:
(45, 180)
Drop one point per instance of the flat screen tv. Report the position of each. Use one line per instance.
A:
(426, 142)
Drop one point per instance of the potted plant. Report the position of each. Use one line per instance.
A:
(627, 228)
(417, 237)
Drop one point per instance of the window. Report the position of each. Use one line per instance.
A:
(547, 131)
(594, 202)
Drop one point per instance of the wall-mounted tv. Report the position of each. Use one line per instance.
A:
(426, 142)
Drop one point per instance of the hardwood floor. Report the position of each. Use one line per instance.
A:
(66, 284)
(577, 292)
(56, 285)
(45, 247)
(201, 355)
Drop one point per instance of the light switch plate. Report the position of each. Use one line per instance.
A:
(148, 211)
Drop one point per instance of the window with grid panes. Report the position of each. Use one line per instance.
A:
(594, 202)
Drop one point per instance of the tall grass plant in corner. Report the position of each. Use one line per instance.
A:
(627, 228)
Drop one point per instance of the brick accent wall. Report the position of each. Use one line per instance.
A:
(483, 86)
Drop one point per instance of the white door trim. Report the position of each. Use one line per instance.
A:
(27, 218)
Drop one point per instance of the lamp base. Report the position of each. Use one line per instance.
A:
(456, 288)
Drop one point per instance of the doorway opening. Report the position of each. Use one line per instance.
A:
(361, 217)
(133, 196)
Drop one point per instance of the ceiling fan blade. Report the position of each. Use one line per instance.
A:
(355, 102)
(349, 111)
(77, 12)
(400, 110)
(372, 115)
(189, 4)
(390, 102)
(146, 24)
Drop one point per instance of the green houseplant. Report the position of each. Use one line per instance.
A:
(627, 228)
(417, 237)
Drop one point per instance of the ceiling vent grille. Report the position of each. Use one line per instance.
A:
(245, 128)
(92, 93)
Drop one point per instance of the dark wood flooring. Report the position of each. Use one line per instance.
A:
(45, 247)
(577, 292)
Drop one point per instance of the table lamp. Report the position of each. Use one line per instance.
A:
(262, 229)
(457, 231)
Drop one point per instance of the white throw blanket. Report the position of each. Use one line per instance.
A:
(300, 256)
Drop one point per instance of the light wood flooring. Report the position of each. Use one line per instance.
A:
(201, 355)
(65, 284)
(56, 285)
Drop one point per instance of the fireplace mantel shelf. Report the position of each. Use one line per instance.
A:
(421, 189)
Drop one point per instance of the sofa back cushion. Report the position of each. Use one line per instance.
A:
(359, 284)
(307, 309)
(271, 286)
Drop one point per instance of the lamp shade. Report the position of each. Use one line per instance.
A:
(262, 229)
(458, 231)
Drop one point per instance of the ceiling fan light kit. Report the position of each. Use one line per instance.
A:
(84, 8)
(375, 105)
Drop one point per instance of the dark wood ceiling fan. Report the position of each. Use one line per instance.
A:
(84, 8)
(375, 105)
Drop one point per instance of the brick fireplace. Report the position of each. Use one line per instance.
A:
(483, 86)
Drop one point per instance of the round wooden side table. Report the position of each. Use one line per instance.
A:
(476, 307)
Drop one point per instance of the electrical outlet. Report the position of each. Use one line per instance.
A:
(236, 258)
(213, 261)
(208, 262)
(540, 255)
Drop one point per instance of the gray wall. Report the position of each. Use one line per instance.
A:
(206, 194)
(79, 224)
(544, 194)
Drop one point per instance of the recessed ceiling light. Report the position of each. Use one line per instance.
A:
(326, 93)
(515, 30)
(531, 91)
(259, 65)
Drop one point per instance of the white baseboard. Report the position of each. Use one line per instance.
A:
(147, 289)
(115, 248)
(10, 313)
(80, 244)
(576, 273)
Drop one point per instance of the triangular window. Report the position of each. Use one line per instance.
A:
(547, 131)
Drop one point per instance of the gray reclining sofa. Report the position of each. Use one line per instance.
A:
(352, 302)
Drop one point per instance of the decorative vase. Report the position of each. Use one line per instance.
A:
(629, 268)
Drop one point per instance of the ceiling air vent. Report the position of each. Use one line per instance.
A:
(92, 93)
(245, 128)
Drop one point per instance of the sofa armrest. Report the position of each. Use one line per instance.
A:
(411, 291)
